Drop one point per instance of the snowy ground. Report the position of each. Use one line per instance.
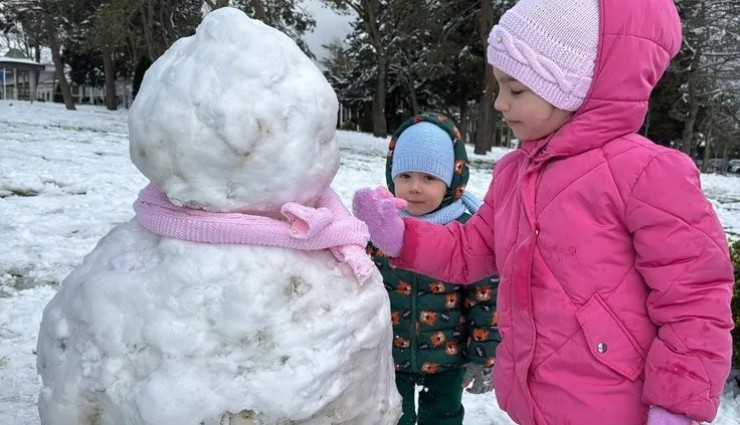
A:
(66, 180)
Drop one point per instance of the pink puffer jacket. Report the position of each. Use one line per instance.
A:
(615, 274)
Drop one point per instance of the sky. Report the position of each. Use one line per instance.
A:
(329, 26)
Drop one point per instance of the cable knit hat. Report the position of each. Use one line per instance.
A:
(427, 148)
(550, 46)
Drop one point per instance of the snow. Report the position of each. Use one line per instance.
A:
(152, 330)
(79, 183)
(66, 179)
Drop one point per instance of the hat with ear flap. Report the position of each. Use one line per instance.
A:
(429, 143)
(550, 46)
(426, 148)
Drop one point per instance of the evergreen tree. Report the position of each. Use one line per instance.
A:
(708, 65)
(287, 16)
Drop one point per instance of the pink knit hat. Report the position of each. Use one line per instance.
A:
(550, 46)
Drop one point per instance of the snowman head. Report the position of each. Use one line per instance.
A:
(235, 118)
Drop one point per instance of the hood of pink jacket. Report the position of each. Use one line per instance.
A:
(635, 49)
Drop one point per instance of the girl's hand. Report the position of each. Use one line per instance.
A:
(660, 416)
(379, 210)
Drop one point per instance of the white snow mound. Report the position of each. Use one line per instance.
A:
(156, 331)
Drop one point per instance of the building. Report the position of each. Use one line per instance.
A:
(25, 79)
(19, 76)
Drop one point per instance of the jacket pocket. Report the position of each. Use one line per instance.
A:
(609, 341)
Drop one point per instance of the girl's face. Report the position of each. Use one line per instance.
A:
(528, 115)
(423, 192)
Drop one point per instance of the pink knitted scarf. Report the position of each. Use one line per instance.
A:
(327, 226)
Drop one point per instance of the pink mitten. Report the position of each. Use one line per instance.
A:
(379, 210)
(660, 416)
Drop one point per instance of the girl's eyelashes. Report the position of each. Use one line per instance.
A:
(403, 176)
(429, 178)
(517, 92)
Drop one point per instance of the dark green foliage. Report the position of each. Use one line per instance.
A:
(662, 124)
(286, 15)
(86, 66)
(141, 67)
(57, 98)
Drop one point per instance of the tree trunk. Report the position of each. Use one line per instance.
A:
(217, 5)
(380, 126)
(37, 52)
(687, 140)
(463, 127)
(486, 114)
(707, 151)
(259, 11)
(56, 57)
(368, 11)
(35, 75)
(169, 34)
(147, 18)
(486, 117)
(725, 160)
(110, 79)
(412, 95)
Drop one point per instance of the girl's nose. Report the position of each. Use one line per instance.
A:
(415, 185)
(500, 104)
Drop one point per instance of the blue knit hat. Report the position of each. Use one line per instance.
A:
(426, 148)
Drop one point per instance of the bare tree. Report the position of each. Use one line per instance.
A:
(370, 13)
(45, 17)
(110, 30)
(709, 62)
(486, 114)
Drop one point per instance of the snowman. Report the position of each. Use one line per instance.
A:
(240, 293)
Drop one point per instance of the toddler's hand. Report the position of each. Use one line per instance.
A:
(379, 210)
(660, 416)
(480, 376)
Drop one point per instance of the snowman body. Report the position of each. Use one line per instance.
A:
(152, 330)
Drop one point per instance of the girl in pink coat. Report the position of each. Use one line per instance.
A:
(614, 301)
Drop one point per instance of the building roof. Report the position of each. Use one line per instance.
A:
(14, 58)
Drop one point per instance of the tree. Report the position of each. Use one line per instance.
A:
(371, 15)
(43, 19)
(287, 16)
(434, 60)
(118, 33)
(110, 30)
(661, 124)
(709, 63)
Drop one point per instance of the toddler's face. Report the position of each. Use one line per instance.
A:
(423, 192)
(528, 115)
